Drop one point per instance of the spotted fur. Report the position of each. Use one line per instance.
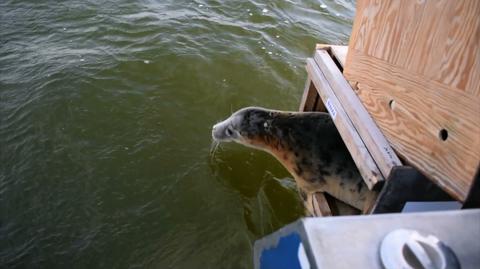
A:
(306, 143)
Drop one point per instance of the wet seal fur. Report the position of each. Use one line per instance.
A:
(307, 144)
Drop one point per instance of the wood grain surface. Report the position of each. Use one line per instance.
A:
(417, 65)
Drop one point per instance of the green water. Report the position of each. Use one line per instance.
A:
(106, 109)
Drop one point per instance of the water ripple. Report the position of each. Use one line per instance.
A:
(105, 116)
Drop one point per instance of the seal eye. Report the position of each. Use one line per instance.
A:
(229, 131)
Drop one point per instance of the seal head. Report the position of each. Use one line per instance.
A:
(251, 126)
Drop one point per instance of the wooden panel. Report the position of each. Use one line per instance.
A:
(418, 73)
(373, 138)
(457, 44)
(439, 39)
(362, 158)
(412, 122)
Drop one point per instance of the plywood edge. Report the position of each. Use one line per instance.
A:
(362, 158)
(326, 205)
(337, 51)
(374, 140)
(320, 205)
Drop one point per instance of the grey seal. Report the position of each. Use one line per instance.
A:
(307, 144)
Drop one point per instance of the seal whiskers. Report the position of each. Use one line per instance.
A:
(213, 148)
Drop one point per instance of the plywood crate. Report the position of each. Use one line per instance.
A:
(416, 65)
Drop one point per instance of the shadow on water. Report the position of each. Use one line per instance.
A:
(268, 193)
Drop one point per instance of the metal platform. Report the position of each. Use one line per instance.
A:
(355, 241)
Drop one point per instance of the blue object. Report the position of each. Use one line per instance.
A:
(282, 256)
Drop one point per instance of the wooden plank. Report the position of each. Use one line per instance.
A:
(377, 145)
(323, 205)
(342, 209)
(320, 205)
(320, 105)
(413, 124)
(362, 158)
(418, 73)
(339, 52)
(406, 184)
(310, 99)
(441, 162)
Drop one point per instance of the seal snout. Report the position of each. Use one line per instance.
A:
(223, 131)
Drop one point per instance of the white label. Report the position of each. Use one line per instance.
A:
(331, 109)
